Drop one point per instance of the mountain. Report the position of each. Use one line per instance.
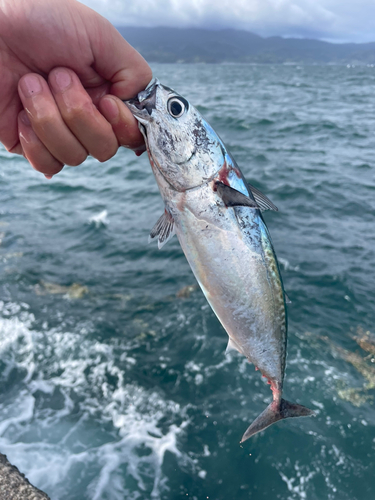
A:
(191, 45)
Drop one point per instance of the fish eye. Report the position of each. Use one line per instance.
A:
(176, 107)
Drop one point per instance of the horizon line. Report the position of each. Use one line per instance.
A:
(284, 37)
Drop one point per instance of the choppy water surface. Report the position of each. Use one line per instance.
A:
(114, 381)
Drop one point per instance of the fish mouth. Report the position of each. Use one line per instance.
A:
(145, 102)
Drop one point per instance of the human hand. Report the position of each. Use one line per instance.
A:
(64, 71)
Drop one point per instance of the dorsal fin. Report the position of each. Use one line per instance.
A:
(262, 200)
(164, 229)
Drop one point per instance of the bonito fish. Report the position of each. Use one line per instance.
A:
(217, 218)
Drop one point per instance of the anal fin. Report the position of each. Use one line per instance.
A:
(163, 229)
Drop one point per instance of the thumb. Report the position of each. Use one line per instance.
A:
(115, 59)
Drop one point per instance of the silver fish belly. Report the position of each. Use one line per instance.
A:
(217, 218)
(233, 267)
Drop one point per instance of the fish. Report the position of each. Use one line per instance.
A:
(217, 218)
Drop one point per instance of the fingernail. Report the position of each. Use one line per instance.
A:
(49, 177)
(30, 85)
(61, 79)
(25, 119)
(109, 109)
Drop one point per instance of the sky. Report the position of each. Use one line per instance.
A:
(331, 20)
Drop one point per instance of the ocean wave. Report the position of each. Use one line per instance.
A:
(66, 383)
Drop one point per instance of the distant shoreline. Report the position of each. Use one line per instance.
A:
(195, 45)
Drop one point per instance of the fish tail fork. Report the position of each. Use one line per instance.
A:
(275, 412)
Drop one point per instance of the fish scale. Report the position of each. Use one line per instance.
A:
(217, 218)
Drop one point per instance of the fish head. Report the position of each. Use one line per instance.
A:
(180, 143)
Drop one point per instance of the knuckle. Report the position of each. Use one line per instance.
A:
(129, 137)
(106, 145)
(50, 168)
(105, 154)
(104, 158)
(75, 159)
(127, 140)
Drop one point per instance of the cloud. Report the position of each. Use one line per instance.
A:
(335, 20)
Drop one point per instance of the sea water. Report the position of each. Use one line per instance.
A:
(114, 382)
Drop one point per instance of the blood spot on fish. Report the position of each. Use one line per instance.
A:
(223, 174)
(276, 391)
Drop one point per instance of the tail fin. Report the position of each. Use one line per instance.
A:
(274, 413)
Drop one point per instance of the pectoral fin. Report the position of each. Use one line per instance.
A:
(262, 200)
(233, 198)
(232, 346)
(164, 229)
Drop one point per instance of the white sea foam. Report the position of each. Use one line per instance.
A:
(297, 484)
(55, 442)
(286, 265)
(100, 219)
